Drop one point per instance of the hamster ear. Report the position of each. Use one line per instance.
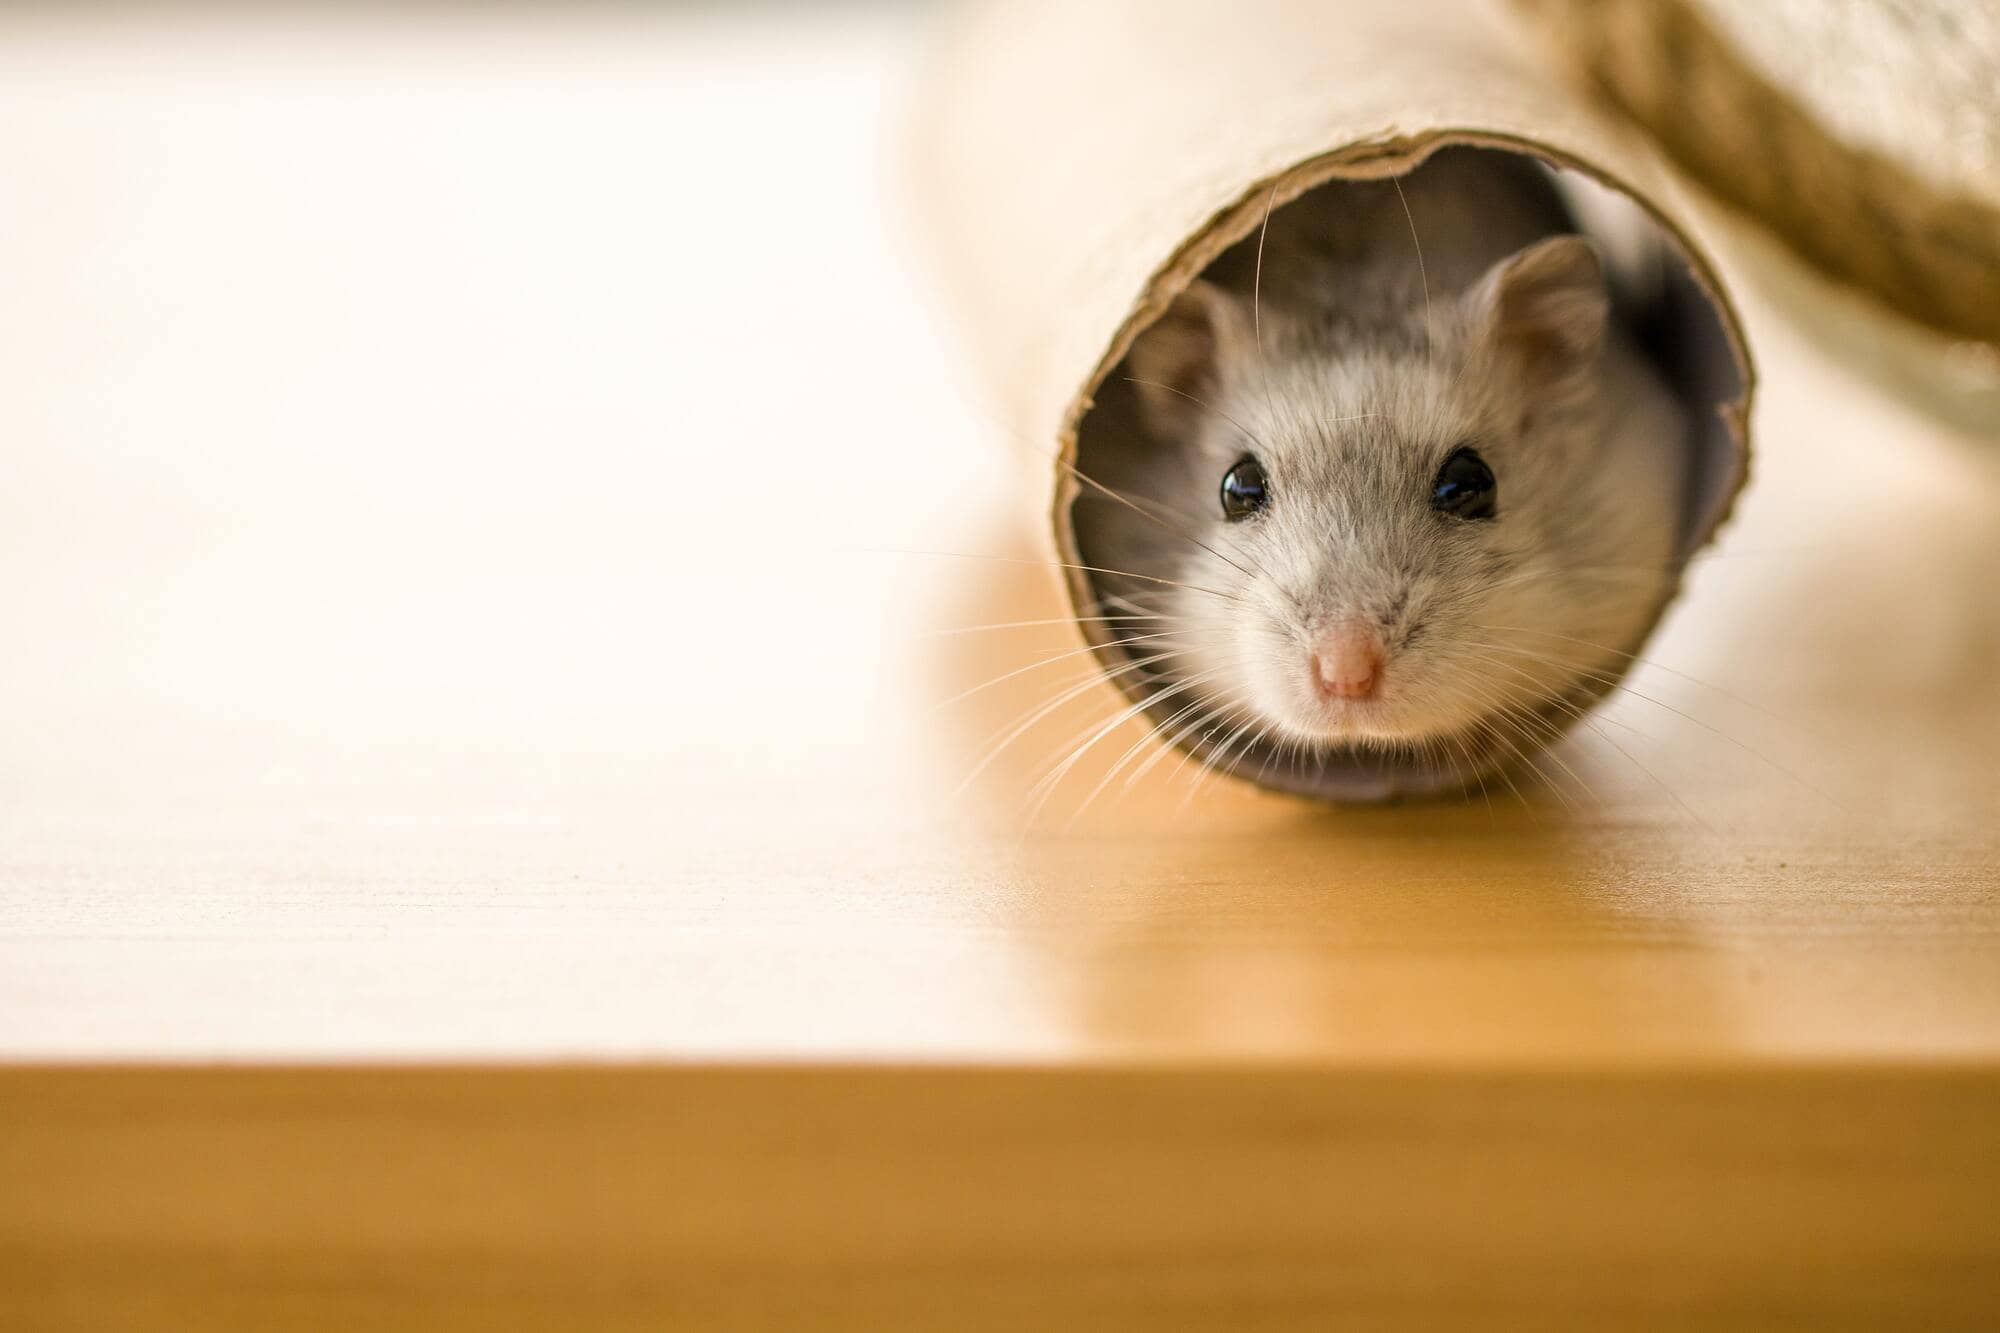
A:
(1185, 356)
(1542, 311)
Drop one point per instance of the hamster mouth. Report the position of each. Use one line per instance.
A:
(1383, 745)
(1350, 720)
(1394, 726)
(1358, 747)
(1379, 717)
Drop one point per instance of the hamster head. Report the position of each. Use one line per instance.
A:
(1426, 531)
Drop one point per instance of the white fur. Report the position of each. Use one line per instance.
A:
(1485, 622)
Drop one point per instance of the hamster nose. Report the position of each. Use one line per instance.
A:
(1347, 661)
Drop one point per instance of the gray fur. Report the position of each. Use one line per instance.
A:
(1351, 386)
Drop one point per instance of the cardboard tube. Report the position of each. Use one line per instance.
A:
(1079, 164)
(1905, 205)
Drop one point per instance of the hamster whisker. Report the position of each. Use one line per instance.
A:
(1216, 720)
(1656, 665)
(1211, 759)
(1430, 752)
(1069, 466)
(1423, 274)
(1594, 727)
(1089, 677)
(1517, 760)
(1638, 574)
(1156, 733)
(1257, 301)
(1165, 744)
(1249, 746)
(1041, 662)
(1476, 768)
(1029, 624)
(1083, 685)
(1613, 684)
(1119, 599)
(1152, 734)
(1047, 784)
(1212, 711)
(1533, 689)
(1223, 759)
(1061, 564)
(1656, 780)
(1500, 706)
(1504, 769)
(1166, 687)
(1211, 767)
(1503, 710)
(1152, 509)
(1145, 513)
(1241, 429)
(1287, 752)
(1530, 688)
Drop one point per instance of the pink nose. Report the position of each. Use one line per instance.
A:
(1347, 661)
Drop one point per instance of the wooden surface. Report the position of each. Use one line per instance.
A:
(1242, 1198)
(480, 821)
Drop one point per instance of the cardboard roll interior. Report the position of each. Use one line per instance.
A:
(1665, 301)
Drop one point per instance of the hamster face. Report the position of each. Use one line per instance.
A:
(1416, 538)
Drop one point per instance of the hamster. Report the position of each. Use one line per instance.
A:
(1393, 484)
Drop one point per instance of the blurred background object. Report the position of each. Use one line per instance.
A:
(1864, 137)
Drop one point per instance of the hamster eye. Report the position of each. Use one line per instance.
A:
(1243, 489)
(1464, 487)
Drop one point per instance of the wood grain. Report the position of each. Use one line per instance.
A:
(1247, 1198)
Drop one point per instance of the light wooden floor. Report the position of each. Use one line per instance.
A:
(480, 838)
